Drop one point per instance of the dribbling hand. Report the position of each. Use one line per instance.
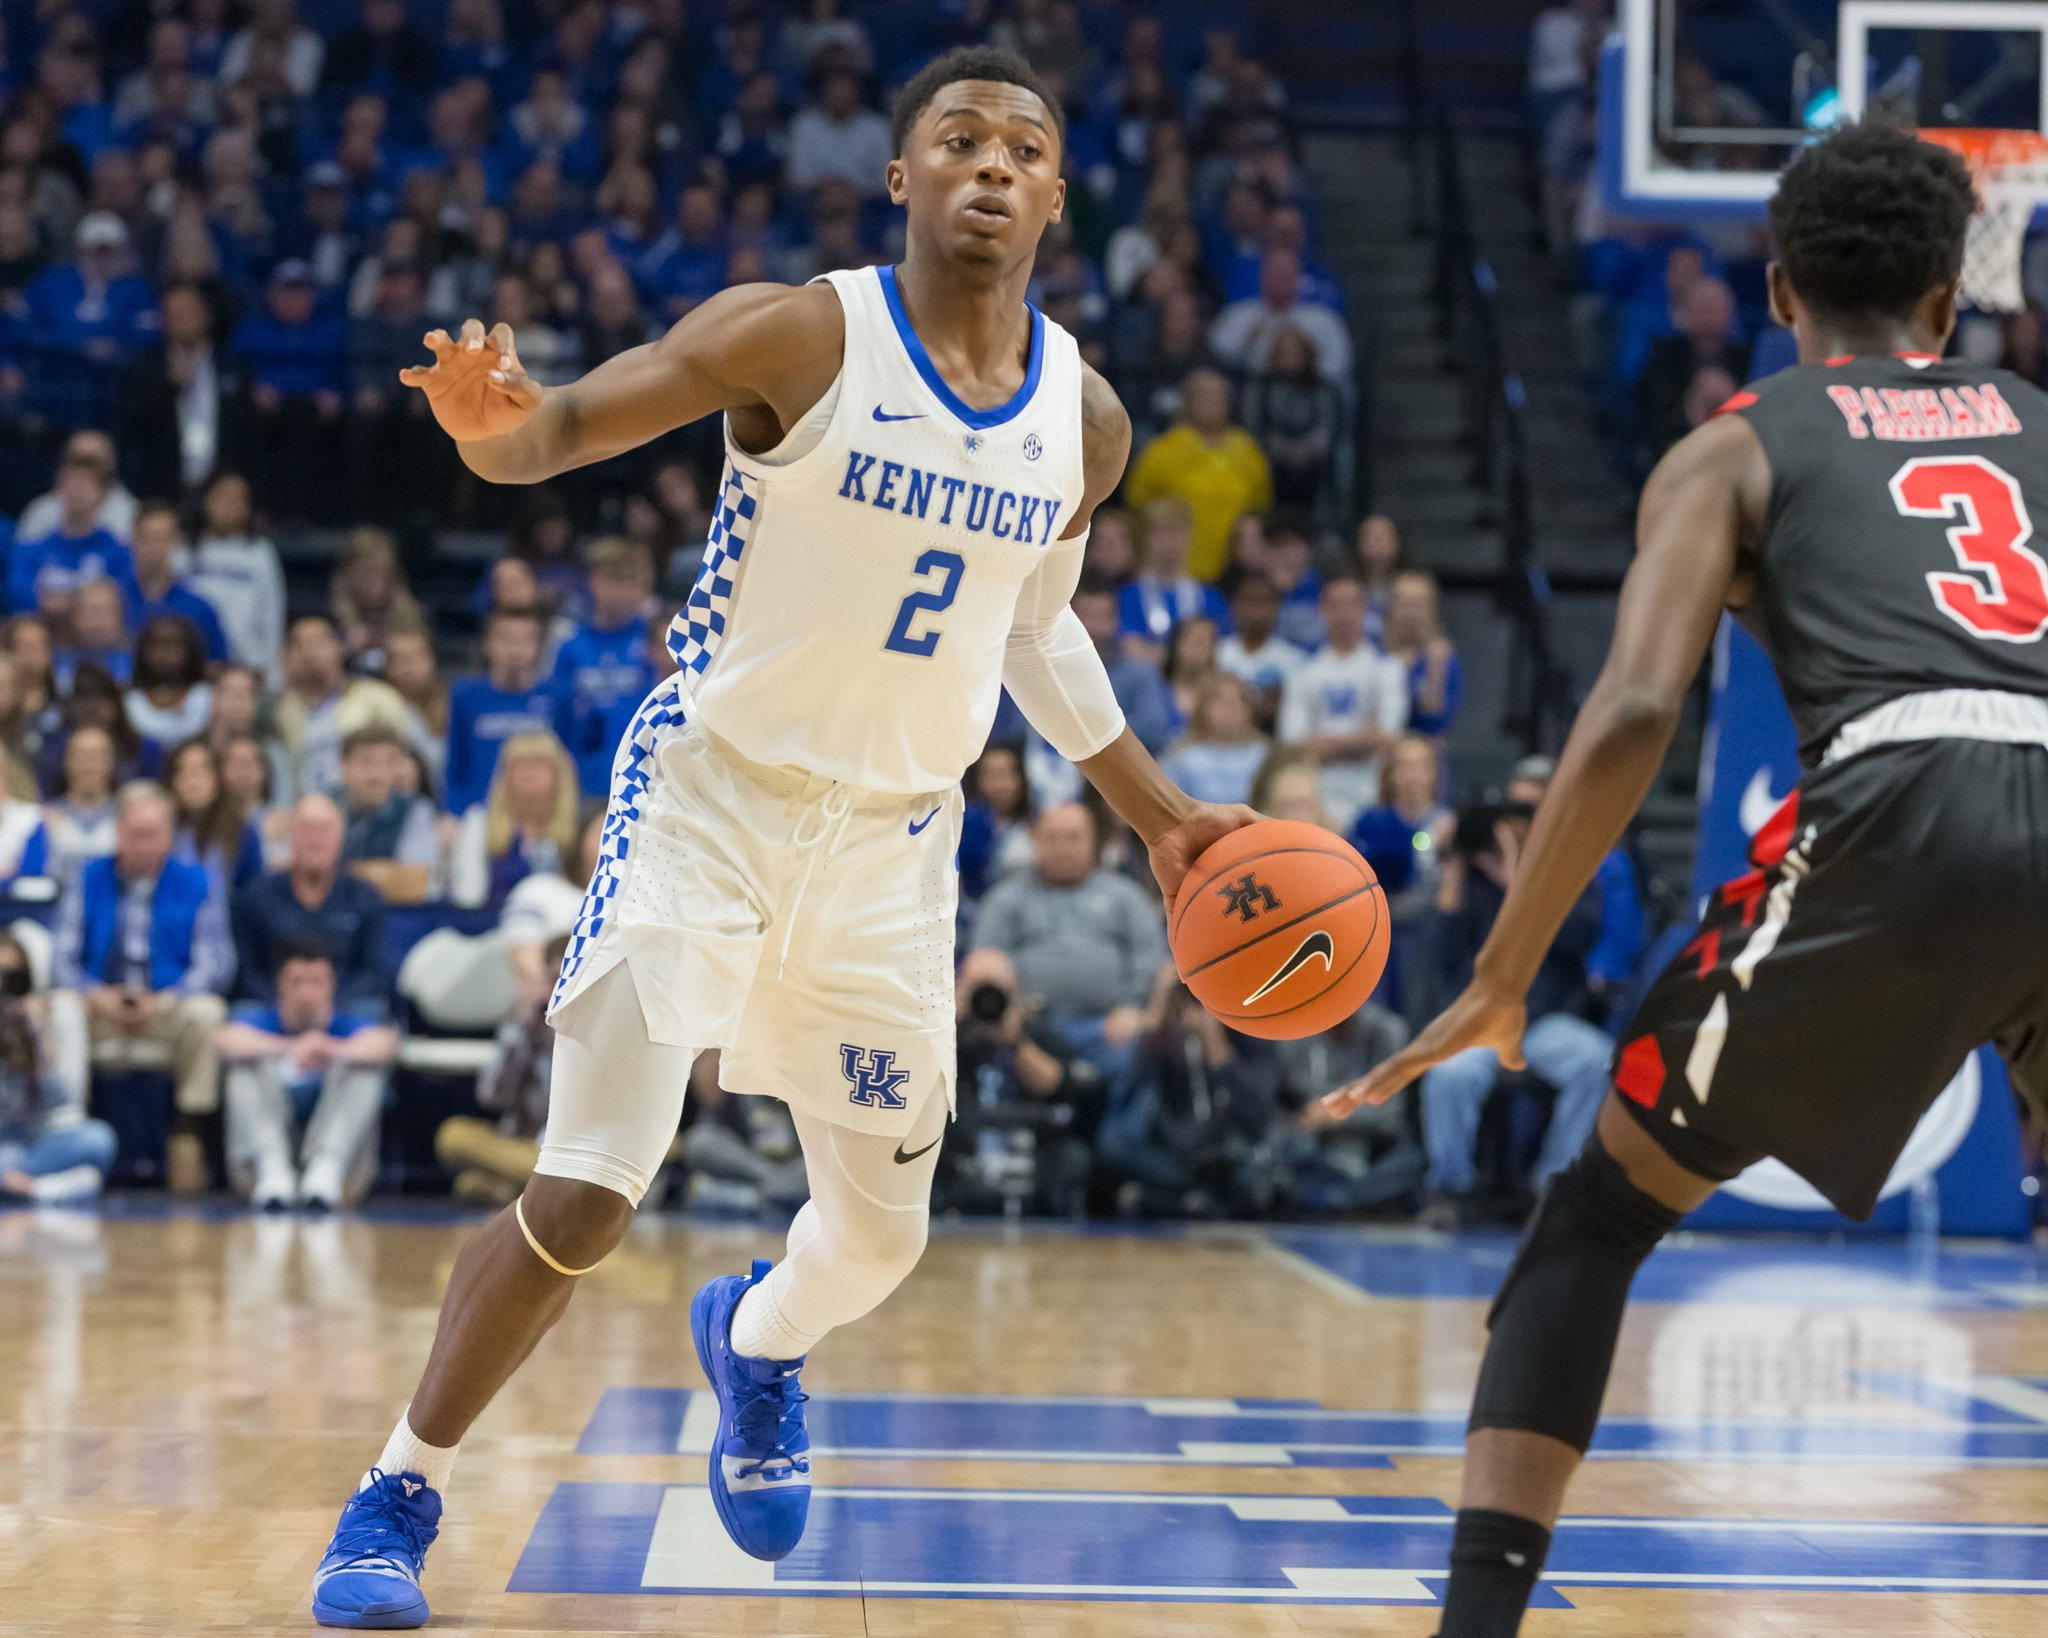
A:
(475, 386)
(1180, 847)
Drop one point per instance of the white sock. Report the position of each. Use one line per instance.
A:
(405, 1452)
(760, 1332)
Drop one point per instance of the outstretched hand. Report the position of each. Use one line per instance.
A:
(1478, 1018)
(475, 386)
(1174, 851)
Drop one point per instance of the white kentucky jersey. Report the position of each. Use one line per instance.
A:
(861, 578)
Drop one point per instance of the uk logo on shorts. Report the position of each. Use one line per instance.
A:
(872, 1074)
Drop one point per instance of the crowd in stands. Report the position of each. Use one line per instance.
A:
(223, 229)
(1672, 317)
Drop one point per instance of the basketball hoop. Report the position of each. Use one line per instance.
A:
(2010, 168)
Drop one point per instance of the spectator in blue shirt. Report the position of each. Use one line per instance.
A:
(483, 712)
(297, 362)
(383, 52)
(1139, 688)
(291, 350)
(602, 666)
(50, 1149)
(94, 306)
(1414, 635)
(158, 544)
(43, 575)
(313, 898)
(687, 263)
(142, 938)
(1163, 593)
(305, 1084)
(99, 637)
(1624, 928)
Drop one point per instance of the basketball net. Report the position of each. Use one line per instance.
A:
(2010, 168)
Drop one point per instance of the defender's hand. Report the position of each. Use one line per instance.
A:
(1181, 846)
(475, 386)
(1478, 1018)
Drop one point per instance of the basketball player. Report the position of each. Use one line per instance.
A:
(913, 455)
(1867, 516)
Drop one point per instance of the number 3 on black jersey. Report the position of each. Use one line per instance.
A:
(2006, 599)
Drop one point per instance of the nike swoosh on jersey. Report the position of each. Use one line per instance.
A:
(881, 415)
(917, 825)
(1318, 943)
(903, 1159)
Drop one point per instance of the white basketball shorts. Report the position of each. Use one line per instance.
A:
(801, 925)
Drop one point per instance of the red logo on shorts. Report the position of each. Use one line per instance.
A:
(1773, 838)
(1639, 1073)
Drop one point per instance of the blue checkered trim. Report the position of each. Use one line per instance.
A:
(699, 626)
(693, 637)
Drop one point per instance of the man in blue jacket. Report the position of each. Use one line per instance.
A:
(144, 941)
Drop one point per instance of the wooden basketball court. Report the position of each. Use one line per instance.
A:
(1105, 1435)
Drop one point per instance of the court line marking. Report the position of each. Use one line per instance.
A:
(689, 1548)
(1403, 1585)
(1307, 1268)
(2008, 1393)
(699, 1432)
(1864, 1583)
(1921, 1419)
(1189, 1455)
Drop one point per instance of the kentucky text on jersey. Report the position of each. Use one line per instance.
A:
(911, 490)
(1918, 415)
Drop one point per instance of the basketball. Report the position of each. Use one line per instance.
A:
(1280, 930)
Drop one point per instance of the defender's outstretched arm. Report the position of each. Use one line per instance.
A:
(1700, 507)
(763, 347)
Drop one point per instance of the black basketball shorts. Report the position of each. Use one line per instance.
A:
(1896, 919)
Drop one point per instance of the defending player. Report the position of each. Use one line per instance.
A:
(1868, 517)
(913, 455)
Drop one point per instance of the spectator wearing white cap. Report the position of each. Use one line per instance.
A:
(96, 306)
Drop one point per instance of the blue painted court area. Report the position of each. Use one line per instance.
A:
(1984, 1421)
(1811, 1273)
(626, 1538)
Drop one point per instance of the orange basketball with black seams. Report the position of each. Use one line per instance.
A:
(1280, 930)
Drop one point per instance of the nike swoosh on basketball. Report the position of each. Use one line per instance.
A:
(1318, 943)
(883, 415)
(903, 1159)
(917, 825)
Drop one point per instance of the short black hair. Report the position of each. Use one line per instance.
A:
(1871, 219)
(303, 949)
(969, 63)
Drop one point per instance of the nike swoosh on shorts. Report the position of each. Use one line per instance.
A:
(917, 825)
(1318, 943)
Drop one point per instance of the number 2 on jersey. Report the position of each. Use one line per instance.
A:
(950, 565)
(2006, 600)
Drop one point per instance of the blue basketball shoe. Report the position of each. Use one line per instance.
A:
(760, 1462)
(371, 1574)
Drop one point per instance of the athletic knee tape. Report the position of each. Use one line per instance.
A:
(534, 1245)
(1557, 1317)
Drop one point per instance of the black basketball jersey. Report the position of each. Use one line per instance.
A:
(1901, 555)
